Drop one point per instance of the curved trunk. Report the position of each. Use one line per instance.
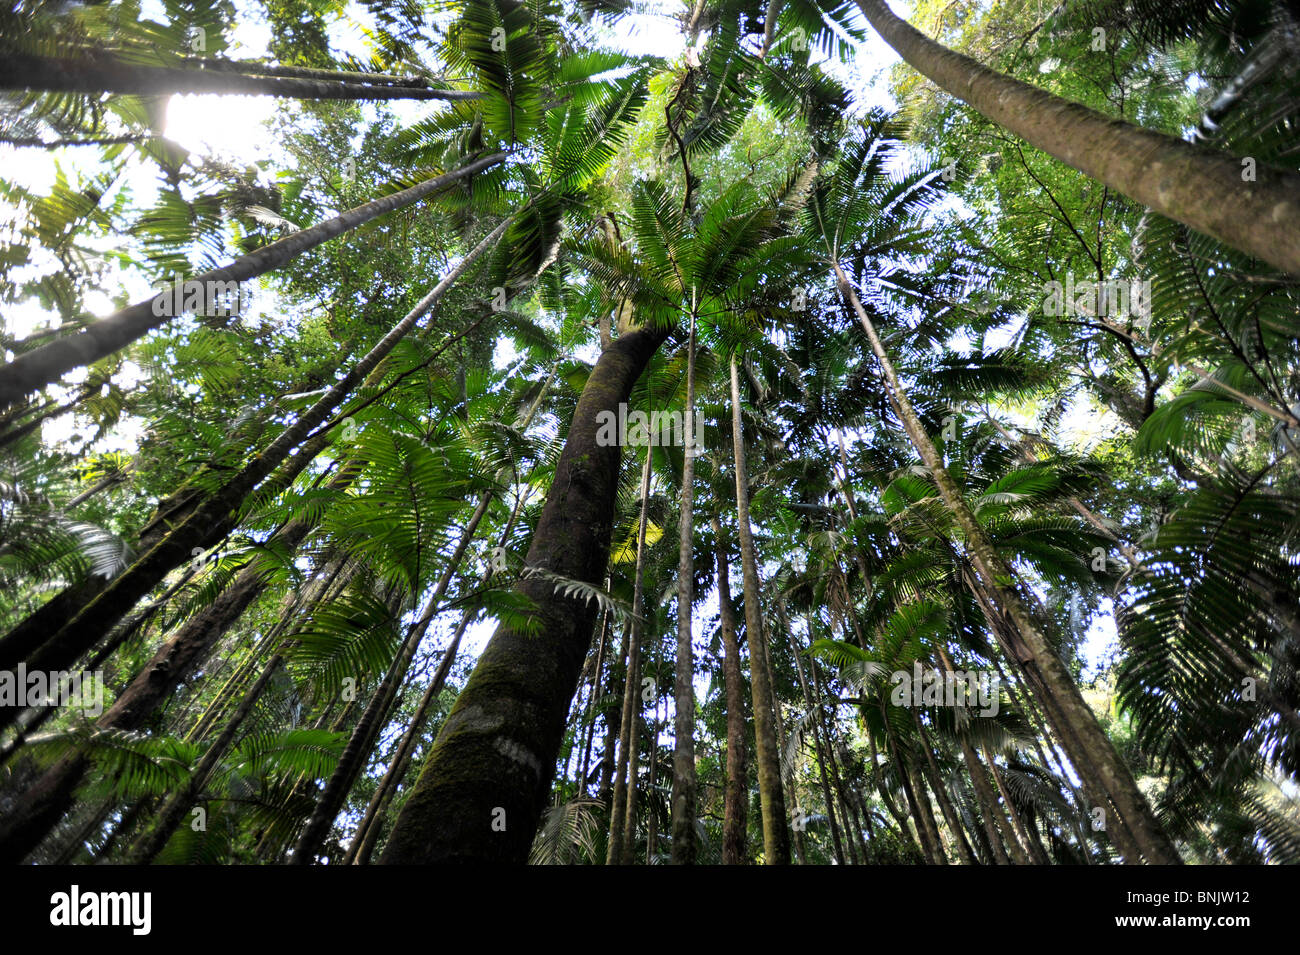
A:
(776, 839)
(48, 363)
(1192, 184)
(485, 785)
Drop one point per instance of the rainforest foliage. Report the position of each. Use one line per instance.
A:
(602, 432)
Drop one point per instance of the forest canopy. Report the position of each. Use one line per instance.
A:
(649, 431)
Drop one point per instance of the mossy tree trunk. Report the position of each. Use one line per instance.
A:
(486, 783)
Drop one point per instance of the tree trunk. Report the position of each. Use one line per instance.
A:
(776, 839)
(1022, 834)
(179, 803)
(95, 73)
(637, 655)
(736, 794)
(485, 785)
(48, 363)
(684, 843)
(1192, 184)
(991, 814)
(593, 703)
(363, 843)
(941, 795)
(617, 852)
(998, 578)
(43, 804)
(376, 713)
(815, 714)
(219, 509)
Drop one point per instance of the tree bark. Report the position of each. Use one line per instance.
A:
(684, 843)
(48, 363)
(998, 578)
(735, 809)
(1192, 184)
(95, 73)
(776, 839)
(485, 785)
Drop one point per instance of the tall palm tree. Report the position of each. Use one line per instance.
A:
(835, 214)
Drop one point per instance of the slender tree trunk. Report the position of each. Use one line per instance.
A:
(617, 853)
(941, 795)
(652, 773)
(878, 775)
(635, 687)
(485, 785)
(736, 794)
(684, 843)
(48, 363)
(221, 508)
(594, 702)
(817, 736)
(788, 782)
(776, 839)
(914, 789)
(1121, 834)
(363, 843)
(991, 814)
(1192, 184)
(92, 73)
(301, 72)
(998, 578)
(608, 757)
(49, 798)
(179, 803)
(376, 713)
(1017, 824)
